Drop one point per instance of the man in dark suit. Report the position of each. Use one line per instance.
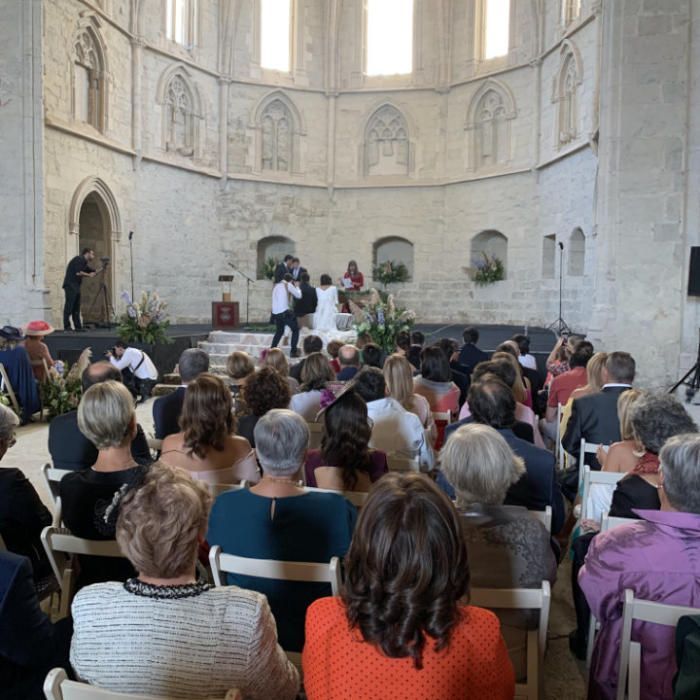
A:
(492, 403)
(297, 270)
(450, 349)
(470, 355)
(308, 302)
(77, 268)
(69, 448)
(594, 417)
(283, 268)
(167, 409)
(312, 343)
(30, 645)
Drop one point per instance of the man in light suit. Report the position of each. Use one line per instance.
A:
(167, 409)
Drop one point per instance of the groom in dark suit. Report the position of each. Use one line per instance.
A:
(594, 417)
(283, 268)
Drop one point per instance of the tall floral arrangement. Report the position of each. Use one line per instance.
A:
(390, 272)
(488, 270)
(145, 320)
(62, 389)
(382, 320)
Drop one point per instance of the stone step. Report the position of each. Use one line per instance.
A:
(227, 348)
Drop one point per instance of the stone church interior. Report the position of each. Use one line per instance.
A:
(349, 349)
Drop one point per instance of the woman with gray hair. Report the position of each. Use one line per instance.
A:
(658, 558)
(90, 498)
(164, 632)
(22, 514)
(655, 418)
(508, 548)
(277, 519)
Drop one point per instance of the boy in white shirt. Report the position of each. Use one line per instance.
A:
(282, 315)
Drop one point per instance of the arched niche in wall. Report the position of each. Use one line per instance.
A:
(393, 249)
(566, 93)
(492, 243)
(272, 247)
(181, 103)
(89, 74)
(386, 146)
(577, 253)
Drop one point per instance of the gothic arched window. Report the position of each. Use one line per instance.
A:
(179, 117)
(387, 146)
(495, 28)
(89, 80)
(389, 37)
(277, 127)
(276, 35)
(568, 83)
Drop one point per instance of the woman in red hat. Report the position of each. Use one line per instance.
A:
(36, 348)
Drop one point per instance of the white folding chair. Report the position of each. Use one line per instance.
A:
(544, 516)
(559, 448)
(154, 443)
(606, 523)
(6, 387)
(587, 448)
(638, 610)
(58, 687)
(316, 431)
(52, 477)
(58, 539)
(591, 477)
(305, 572)
(357, 498)
(523, 599)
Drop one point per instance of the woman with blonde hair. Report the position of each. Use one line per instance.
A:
(163, 632)
(398, 374)
(623, 456)
(207, 446)
(276, 359)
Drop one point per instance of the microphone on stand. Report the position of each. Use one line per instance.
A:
(561, 245)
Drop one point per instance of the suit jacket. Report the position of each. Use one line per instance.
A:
(166, 413)
(593, 417)
(295, 370)
(296, 274)
(70, 449)
(308, 302)
(521, 430)
(280, 271)
(30, 646)
(470, 356)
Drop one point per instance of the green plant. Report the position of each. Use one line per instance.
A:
(267, 270)
(382, 320)
(144, 321)
(62, 390)
(488, 270)
(390, 272)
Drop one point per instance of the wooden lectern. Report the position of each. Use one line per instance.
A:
(225, 314)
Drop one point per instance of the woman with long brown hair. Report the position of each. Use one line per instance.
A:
(207, 446)
(401, 624)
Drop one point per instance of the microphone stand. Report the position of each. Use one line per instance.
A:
(560, 326)
(248, 282)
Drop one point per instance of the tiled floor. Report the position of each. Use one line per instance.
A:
(563, 674)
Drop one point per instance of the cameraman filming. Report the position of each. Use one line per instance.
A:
(137, 368)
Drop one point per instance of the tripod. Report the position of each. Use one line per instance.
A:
(102, 297)
(560, 326)
(692, 386)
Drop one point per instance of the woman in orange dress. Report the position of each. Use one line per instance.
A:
(402, 628)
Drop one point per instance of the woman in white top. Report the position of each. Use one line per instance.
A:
(327, 307)
(207, 447)
(314, 375)
(164, 633)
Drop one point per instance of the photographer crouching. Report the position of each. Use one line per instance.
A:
(137, 368)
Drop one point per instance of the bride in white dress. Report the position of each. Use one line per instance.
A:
(327, 307)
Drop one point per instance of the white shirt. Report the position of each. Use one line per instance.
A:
(131, 359)
(528, 361)
(307, 404)
(398, 432)
(280, 300)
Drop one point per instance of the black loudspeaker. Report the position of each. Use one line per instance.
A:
(694, 272)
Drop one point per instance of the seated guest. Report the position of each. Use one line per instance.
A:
(492, 404)
(372, 355)
(207, 447)
(263, 391)
(657, 558)
(434, 381)
(276, 519)
(527, 360)
(397, 432)
(332, 349)
(594, 417)
(415, 349)
(558, 360)
(349, 360)
(450, 349)
(90, 497)
(522, 388)
(276, 359)
(623, 456)
(470, 355)
(239, 366)
(18, 366)
(167, 409)
(398, 376)
(402, 621)
(36, 348)
(165, 633)
(345, 461)
(22, 514)
(30, 645)
(316, 373)
(655, 419)
(72, 450)
(507, 547)
(310, 344)
(403, 343)
(563, 386)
